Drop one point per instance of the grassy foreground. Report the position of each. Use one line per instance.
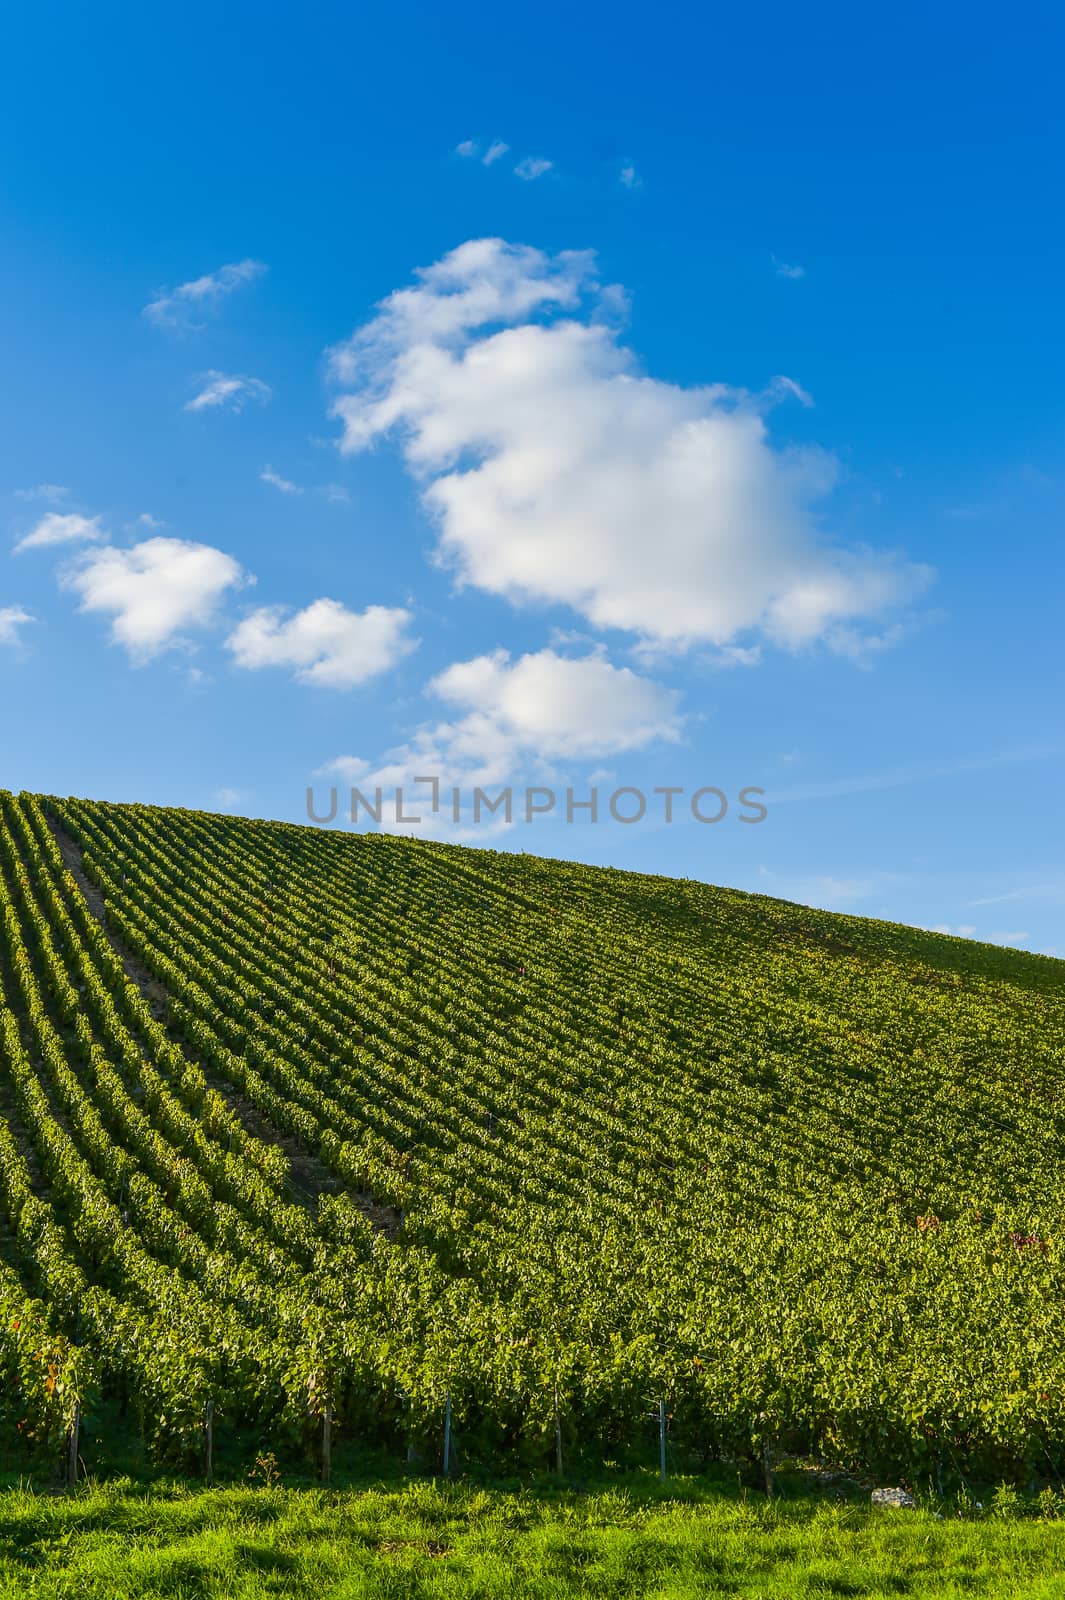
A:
(122, 1540)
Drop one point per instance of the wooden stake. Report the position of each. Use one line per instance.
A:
(662, 1440)
(72, 1446)
(208, 1441)
(447, 1436)
(327, 1443)
(558, 1438)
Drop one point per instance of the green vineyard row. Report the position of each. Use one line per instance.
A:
(305, 1131)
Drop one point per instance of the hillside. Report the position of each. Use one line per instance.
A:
(303, 1132)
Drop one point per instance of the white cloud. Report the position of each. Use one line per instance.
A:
(12, 618)
(781, 388)
(532, 167)
(483, 281)
(863, 647)
(973, 512)
(628, 177)
(495, 152)
(556, 471)
(335, 493)
(824, 890)
(1008, 938)
(467, 148)
(153, 591)
(268, 475)
(923, 772)
(327, 644)
(53, 492)
(786, 269)
(232, 799)
(56, 528)
(1043, 890)
(145, 523)
(229, 390)
(560, 706)
(175, 309)
(515, 716)
(737, 655)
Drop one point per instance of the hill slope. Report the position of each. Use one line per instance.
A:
(297, 1125)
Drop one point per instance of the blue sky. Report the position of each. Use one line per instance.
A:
(731, 455)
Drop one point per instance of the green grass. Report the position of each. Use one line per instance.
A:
(121, 1540)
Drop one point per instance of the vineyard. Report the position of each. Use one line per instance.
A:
(307, 1136)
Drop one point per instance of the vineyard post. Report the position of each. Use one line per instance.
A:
(208, 1441)
(662, 1440)
(558, 1437)
(447, 1435)
(72, 1446)
(327, 1442)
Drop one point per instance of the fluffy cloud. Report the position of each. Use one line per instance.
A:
(560, 706)
(556, 471)
(61, 528)
(176, 309)
(229, 390)
(326, 644)
(517, 715)
(12, 618)
(532, 167)
(628, 177)
(495, 152)
(53, 492)
(484, 281)
(154, 591)
(286, 486)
